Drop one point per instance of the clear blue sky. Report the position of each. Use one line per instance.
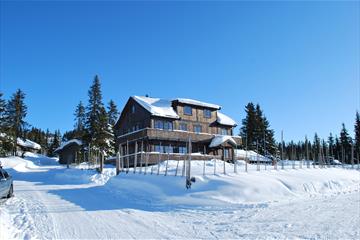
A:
(299, 60)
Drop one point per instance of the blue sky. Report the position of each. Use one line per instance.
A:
(299, 60)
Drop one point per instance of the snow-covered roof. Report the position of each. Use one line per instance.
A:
(64, 144)
(197, 103)
(157, 106)
(28, 143)
(225, 120)
(220, 139)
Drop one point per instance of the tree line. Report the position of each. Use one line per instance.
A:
(258, 136)
(93, 124)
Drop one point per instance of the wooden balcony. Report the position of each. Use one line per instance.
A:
(166, 135)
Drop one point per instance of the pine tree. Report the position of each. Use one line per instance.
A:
(55, 143)
(316, 148)
(97, 119)
(248, 127)
(2, 114)
(357, 135)
(80, 121)
(331, 145)
(345, 142)
(113, 112)
(16, 113)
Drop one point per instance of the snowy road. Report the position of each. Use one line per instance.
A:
(48, 207)
(38, 213)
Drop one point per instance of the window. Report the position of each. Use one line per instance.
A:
(187, 110)
(168, 125)
(133, 109)
(207, 113)
(226, 153)
(159, 148)
(182, 150)
(165, 125)
(169, 149)
(197, 129)
(159, 124)
(223, 131)
(183, 126)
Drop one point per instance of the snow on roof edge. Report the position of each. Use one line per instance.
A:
(64, 144)
(225, 120)
(197, 103)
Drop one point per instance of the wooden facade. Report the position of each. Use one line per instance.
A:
(169, 134)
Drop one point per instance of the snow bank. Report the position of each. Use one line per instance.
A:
(216, 190)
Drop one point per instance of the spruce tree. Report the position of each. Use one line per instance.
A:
(113, 112)
(331, 145)
(16, 113)
(345, 142)
(55, 143)
(2, 114)
(357, 135)
(316, 148)
(96, 118)
(247, 131)
(80, 121)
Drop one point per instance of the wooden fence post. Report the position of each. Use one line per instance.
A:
(188, 167)
(135, 157)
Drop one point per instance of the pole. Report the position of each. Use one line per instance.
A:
(159, 160)
(141, 156)
(257, 157)
(282, 149)
(136, 156)
(117, 163)
(246, 148)
(188, 167)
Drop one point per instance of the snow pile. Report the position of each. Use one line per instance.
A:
(139, 190)
(156, 106)
(225, 120)
(220, 139)
(64, 144)
(28, 143)
(197, 103)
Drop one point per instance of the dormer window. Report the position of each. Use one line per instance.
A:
(207, 113)
(187, 110)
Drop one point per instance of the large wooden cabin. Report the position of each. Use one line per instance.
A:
(164, 127)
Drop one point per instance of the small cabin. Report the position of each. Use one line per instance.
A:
(68, 151)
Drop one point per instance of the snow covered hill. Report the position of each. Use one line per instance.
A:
(54, 202)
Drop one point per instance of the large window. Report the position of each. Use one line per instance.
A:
(187, 110)
(161, 124)
(183, 126)
(159, 148)
(197, 128)
(207, 113)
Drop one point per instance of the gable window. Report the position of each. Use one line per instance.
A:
(223, 131)
(133, 109)
(183, 126)
(187, 110)
(207, 113)
(197, 128)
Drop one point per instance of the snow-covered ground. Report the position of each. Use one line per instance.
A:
(54, 202)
